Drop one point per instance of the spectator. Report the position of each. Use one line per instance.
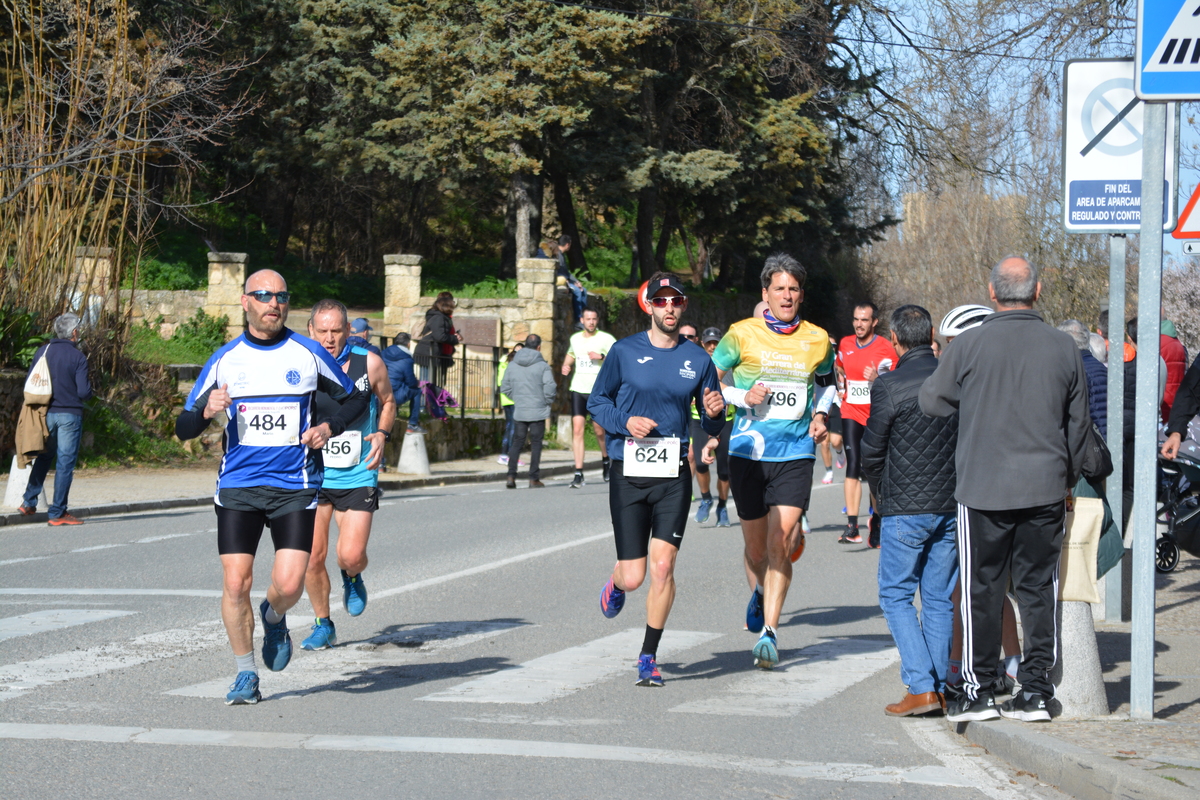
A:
(1185, 407)
(64, 419)
(506, 403)
(1020, 391)
(360, 336)
(908, 461)
(1097, 373)
(1102, 328)
(558, 251)
(435, 346)
(1099, 348)
(1175, 355)
(1128, 407)
(530, 384)
(406, 388)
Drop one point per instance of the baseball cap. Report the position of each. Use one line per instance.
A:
(710, 335)
(665, 282)
(360, 325)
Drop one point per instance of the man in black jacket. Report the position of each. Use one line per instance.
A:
(1020, 391)
(908, 460)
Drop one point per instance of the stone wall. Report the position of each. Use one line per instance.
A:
(449, 440)
(174, 307)
(226, 280)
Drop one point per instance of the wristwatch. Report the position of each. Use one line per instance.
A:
(387, 435)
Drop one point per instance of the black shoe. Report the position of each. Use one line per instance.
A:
(850, 535)
(1026, 707)
(577, 481)
(874, 527)
(511, 483)
(964, 709)
(607, 464)
(535, 484)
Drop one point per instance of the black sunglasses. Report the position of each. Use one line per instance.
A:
(263, 296)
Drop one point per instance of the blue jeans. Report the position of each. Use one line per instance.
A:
(919, 550)
(63, 442)
(508, 429)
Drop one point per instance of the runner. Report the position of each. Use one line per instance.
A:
(641, 398)
(775, 362)
(861, 358)
(350, 490)
(709, 342)
(585, 352)
(271, 470)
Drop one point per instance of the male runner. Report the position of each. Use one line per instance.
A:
(861, 358)
(775, 363)
(703, 477)
(266, 379)
(641, 398)
(350, 491)
(585, 352)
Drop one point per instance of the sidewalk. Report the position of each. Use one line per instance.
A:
(121, 491)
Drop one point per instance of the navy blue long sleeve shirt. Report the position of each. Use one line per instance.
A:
(68, 376)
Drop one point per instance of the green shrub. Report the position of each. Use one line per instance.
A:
(21, 335)
(202, 331)
(194, 340)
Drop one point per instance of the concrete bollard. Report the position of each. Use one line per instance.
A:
(1078, 682)
(414, 460)
(18, 480)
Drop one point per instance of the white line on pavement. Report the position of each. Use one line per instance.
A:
(821, 671)
(150, 539)
(20, 560)
(34, 591)
(844, 773)
(560, 674)
(99, 547)
(54, 619)
(932, 736)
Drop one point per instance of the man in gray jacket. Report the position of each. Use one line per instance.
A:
(529, 383)
(1021, 395)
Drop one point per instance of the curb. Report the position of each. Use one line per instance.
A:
(1072, 769)
(393, 484)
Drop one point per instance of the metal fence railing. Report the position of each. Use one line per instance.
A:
(470, 375)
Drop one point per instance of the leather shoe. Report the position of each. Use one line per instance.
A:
(536, 485)
(511, 483)
(914, 704)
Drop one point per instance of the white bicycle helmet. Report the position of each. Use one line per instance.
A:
(962, 319)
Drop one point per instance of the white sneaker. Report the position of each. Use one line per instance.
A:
(502, 460)
(828, 479)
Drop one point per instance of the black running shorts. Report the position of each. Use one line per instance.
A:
(645, 508)
(758, 485)
(579, 404)
(852, 443)
(242, 513)
(360, 498)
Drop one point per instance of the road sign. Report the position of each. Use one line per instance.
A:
(1189, 220)
(1168, 50)
(1191, 248)
(1102, 150)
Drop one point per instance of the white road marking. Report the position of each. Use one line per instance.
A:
(352, 665)
(560, 674)
(820, 672)
(39, 621)
(147, 540)
(932, 736)
(150, 539)
(20, 560)
(842, 773)
(99, 547)
(34, 591)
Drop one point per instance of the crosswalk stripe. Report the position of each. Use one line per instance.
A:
(560, 674)
(54, 619)
(351, 665)
(821, 671)
(804, 770)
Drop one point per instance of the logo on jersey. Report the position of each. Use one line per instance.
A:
(292, 377)
(645, 359)
(363, 383)
(686, 371)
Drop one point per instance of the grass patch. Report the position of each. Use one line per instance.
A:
(194, 340)
(127, 437)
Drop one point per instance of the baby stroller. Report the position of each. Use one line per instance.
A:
(1179, 510)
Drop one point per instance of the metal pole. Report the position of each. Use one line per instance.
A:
(1115, 332)
(1145, 442)
(462, 385)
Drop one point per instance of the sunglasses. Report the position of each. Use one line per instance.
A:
(679, 301)
(691, 336)
(263, 296)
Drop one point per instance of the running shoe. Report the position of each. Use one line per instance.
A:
(65, 519)
(415, 429)
(873, 530)
(502, 460)
(277, 642)
(722, 517)
(805, 529)
(1026, 708)
(754, 613)
(702, 511)
(964, 709)
(607, 467)
(244, 690)
(828, 479)
(839, 460)
(648, 674)
(354, 594)
(323, 635)
(27, 510)
(612, 599)
(766, 652)
(577, 481)
(850, 535)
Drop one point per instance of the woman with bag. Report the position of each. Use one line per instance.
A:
(435, 350)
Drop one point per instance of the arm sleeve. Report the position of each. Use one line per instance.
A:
(333, 382)
(825, 401)
(549, 387)
(875, 438)
(191, 423)
(709, 381)
(602, 401)
(1079, 421)
(940, 393)
(506, 384)
(1187, 401)
(443, 330)
(82, 387)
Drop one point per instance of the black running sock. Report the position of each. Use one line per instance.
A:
(650, 643)
(853, 521)
(706, 496)
(721, 503)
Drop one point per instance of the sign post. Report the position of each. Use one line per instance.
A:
(1113, 582)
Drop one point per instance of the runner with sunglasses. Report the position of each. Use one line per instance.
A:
(265, 381)
(641, 398)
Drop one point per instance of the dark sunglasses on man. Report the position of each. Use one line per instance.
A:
(679, 301)
(263, 296)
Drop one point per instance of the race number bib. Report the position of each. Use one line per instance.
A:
(268, 424)
(858, 393)
(787, 401)
(652, 458)
(343, 452)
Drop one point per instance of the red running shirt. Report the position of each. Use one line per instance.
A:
(854, 360)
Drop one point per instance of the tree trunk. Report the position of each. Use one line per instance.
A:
(566, 217)
(508, 248)
(647, 199)
(670, 220)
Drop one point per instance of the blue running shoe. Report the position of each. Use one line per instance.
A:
(702, 511)
(754, 613)
(354, 594)
(766, 653)
(648, 674)
(244, 690)
(722, 517)
(277, 642)
(323, 635)
(612, 600)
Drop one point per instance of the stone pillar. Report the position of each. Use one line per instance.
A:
(93, 264)
(402, 291)
(226, 281)
(535, 286)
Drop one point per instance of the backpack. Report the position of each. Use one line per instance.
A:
(38, 389)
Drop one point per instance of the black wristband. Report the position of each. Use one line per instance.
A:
(387, 435)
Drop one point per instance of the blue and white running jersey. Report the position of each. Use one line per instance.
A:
(272, 388)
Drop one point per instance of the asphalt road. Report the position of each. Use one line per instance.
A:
(482, 667)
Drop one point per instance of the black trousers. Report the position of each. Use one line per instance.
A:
(1025, 544)
(536, 431)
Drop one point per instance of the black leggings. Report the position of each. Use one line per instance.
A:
(239, 531)
(852, 436)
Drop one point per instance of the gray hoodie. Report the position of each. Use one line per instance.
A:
(1021, 395)
(529, 383)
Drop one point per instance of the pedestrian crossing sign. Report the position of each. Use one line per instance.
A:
(1189, 220)
(1168, 50)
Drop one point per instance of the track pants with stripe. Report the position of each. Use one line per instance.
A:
(1023, 543)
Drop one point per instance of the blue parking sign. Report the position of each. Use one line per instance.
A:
(1168, 50)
